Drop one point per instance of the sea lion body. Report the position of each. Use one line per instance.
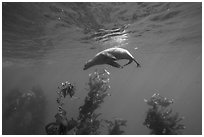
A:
(110, 56)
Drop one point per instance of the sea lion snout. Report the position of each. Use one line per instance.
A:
(85, 66)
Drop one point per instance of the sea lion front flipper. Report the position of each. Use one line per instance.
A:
(114, 64)
(109, 55)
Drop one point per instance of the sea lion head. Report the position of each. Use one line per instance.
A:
(88, 64)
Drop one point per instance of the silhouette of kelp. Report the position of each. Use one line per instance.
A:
(87, 122)
(21, 108)
(160, 119)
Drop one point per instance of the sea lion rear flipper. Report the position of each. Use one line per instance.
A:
(130, 61)
(138, 65)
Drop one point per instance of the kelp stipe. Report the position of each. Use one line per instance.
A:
(114, 128)
(62, 124)
(160, 120)
(98, 85)
(87, 122)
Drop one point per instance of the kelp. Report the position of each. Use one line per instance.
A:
(87, 122)
(160, 119)
(114, 128)
(62, 125)
(98, 86)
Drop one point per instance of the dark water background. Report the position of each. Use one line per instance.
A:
(45, 44)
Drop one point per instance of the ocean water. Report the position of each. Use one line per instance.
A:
(45, 44)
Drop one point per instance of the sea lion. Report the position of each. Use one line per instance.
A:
(110, 56)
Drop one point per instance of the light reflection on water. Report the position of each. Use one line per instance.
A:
(115, 41)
